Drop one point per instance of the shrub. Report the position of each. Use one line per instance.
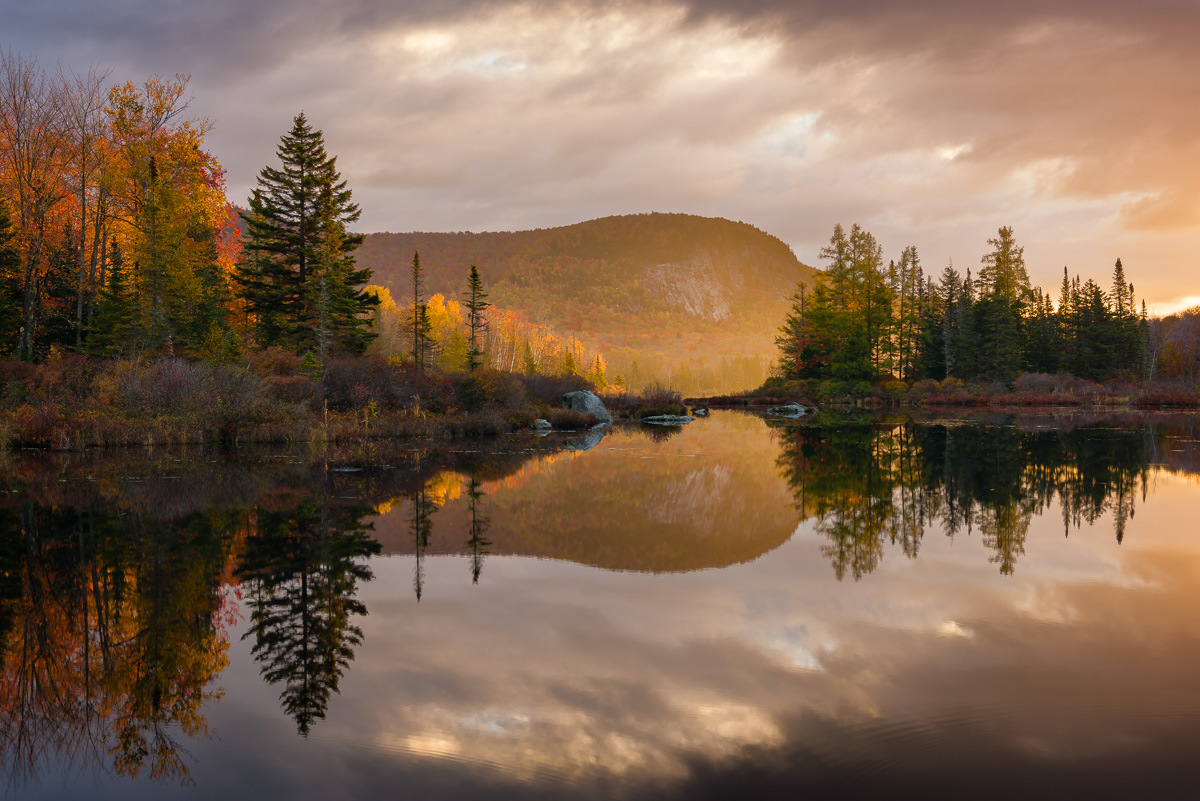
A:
(894, 387)
(275, 361)
(295, 389)
(832, 389)
(861, 389)
(569, 418)
(489, 388)
(926, 386)
(549, 389)
(485, 423)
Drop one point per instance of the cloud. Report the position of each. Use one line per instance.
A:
(931, 122)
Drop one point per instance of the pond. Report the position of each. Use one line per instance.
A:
(979, 606)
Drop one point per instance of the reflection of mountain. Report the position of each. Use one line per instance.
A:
(633, 504)
(870, 484)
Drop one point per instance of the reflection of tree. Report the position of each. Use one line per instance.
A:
(477, 542)
(302, 567)
(115, 635)
(867, 483)
(420, 528)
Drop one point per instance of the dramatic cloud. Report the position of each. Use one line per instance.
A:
(931, 122)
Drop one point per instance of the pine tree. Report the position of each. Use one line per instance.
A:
(1003, 288)
(10, 282)
(114, 328)
(422, 330)
(295, 231)
(476, 304)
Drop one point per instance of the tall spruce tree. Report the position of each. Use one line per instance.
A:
(298, 275)
(422, 327)
(476, 304)
(114, 330)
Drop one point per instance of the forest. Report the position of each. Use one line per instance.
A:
(140, 305)
(864, 323)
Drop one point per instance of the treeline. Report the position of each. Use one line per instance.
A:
(864, 320)
(114, 229)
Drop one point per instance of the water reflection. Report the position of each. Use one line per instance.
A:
(301, 568)
(114, 629)
(873, 483)
(122, 595)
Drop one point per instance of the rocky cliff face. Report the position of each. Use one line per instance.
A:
(693, 286)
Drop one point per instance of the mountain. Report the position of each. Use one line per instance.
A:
(670, 297)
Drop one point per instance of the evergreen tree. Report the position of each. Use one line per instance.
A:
(295, 232)
(568, 366)
(1003, 288)
(422, 329)
(114, 328)
(476, 303)
(10, 282)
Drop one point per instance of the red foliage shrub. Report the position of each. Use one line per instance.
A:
(488, 388)
(274, 361)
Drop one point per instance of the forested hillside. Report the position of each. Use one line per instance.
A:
(673, 298)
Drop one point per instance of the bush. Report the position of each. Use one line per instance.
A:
(550, 389)
(861, 389)
(275, 361)
(926, 386)
(568, 418)
(295, 389)
(894, 387)
(487, 388)
(485, 423)
(832, 389)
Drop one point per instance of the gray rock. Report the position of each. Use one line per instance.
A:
(588, 403)
(700, 412)
(542, 425)
(667, 420)
(788, 410)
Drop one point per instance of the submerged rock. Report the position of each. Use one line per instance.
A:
(667, 420)
(788, 410)
(588, 403)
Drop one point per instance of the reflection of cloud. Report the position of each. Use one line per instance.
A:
(770, 675)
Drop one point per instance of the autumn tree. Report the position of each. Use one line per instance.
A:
(33, 165)
(169, 202)
(298, 275)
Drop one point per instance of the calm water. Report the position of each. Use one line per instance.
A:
(987, 607)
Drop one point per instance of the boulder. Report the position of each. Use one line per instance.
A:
(700, 412)
(588, 441)
(542, 425)
(788, 410)
(667, 420)
(588, 403)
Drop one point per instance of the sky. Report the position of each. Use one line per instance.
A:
(928, 122)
